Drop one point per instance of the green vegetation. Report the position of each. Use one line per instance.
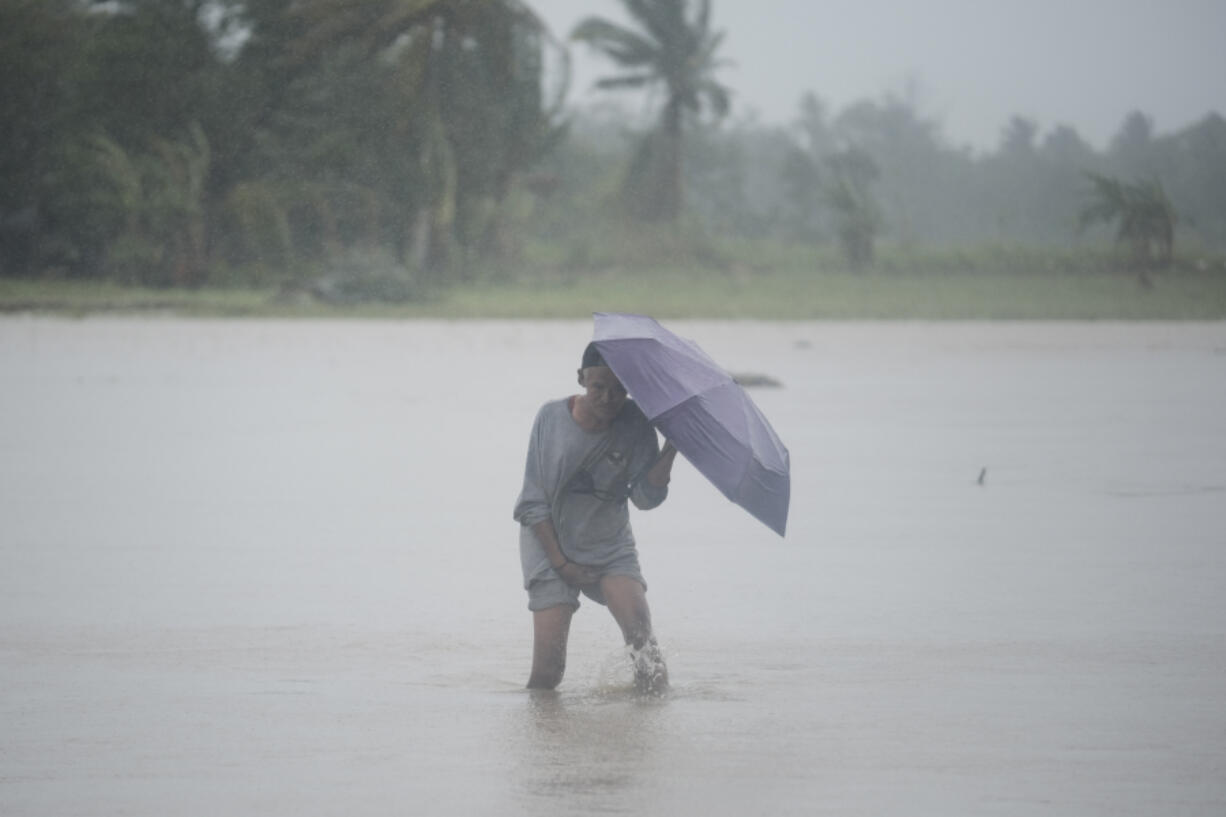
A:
(418, 158)
(159, 141)
(750, 283)
(1144, 213)
(679, 55)
(848, 194)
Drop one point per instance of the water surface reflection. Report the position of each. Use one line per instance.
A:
(591, 749)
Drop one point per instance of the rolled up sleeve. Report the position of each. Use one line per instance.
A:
(643, 494)
(646, 496)
(533, 503)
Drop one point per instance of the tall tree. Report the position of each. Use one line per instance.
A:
(1132, 147)
(852, 172)
(40, 48)
(914, 169)
(800, 174)
(1018, 137)
(133, 76)
(1144, 214)
(1196, 180)
(676, 51)
(473, 110)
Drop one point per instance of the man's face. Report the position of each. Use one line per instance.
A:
(605, 394)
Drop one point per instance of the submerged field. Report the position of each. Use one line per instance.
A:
(269, 567)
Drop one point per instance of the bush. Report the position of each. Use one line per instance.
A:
(368, 277)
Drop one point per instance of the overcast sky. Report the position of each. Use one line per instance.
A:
(971, 64)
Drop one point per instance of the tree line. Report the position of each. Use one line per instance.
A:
(183, 142)
(880, 169)
(158, 141)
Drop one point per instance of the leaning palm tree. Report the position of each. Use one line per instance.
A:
(1145, 215)
(678, 53)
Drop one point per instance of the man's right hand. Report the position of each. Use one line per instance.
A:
(577, 575)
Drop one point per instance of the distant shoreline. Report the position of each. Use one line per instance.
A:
(791, 294)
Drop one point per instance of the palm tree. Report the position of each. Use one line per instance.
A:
(677, 52)
(1145, 215)
(474, 111)
(858, 219)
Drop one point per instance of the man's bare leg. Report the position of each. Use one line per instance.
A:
(550, 629)
(627, 601)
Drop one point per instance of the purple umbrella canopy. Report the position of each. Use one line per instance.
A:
(699, 408)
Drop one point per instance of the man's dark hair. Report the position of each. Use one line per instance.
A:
(592, 357)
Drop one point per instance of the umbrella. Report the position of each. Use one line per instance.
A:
(701, 410)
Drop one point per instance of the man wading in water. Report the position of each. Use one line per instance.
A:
(587, 455)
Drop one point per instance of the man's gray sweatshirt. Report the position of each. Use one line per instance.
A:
(581, 480)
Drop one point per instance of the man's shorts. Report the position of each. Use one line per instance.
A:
(552, 590)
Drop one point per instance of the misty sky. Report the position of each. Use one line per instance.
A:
(971, 65)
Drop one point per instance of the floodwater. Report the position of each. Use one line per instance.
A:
(269, 568)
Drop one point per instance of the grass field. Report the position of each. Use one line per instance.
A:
(936, 289)
(845, 296)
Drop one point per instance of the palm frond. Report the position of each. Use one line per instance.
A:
(663, 19)
(702, 20)
(719, 97)
(118, 170)
(706, 53)
(622, 45)
(673, 49)
(1146, 218)
(627, 81)
(1107, 201)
